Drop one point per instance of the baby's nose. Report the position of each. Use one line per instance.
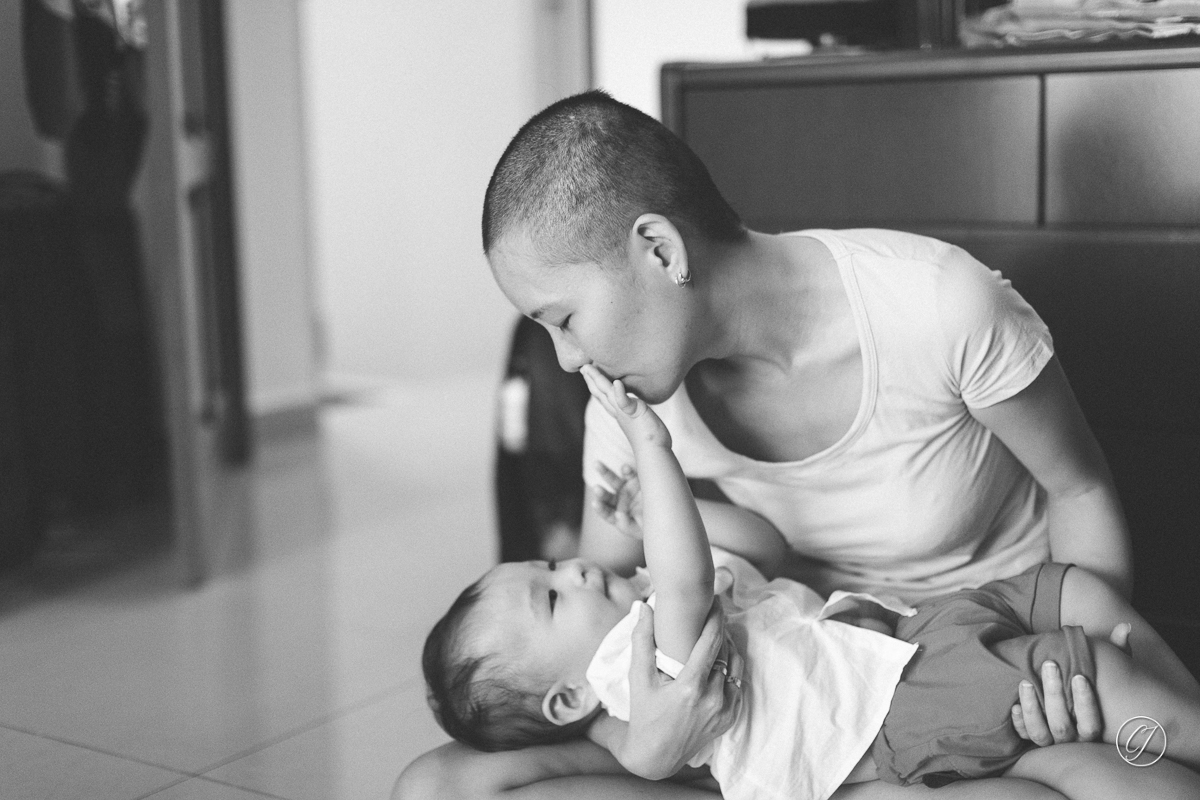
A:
(578, 571)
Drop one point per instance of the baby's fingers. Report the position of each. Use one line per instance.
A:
(605, 503)
(623, 399)
(601, 388)
(613, 480)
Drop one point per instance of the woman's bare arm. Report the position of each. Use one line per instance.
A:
(1045, 429)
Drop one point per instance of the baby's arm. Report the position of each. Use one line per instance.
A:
(674, 541)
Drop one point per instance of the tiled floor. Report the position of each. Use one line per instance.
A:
(294, 677)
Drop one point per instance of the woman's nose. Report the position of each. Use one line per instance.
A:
(570, 357)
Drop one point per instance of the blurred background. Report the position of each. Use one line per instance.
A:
(263, 411)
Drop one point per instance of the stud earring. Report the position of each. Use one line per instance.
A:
(683, 279)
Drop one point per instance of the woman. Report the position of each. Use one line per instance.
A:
(887, 403)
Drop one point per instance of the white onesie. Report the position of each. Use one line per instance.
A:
(814, 691)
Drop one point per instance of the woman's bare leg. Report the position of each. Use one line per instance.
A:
(1128, 689)
(1093, 771)
(984, 789)
(1089, 602)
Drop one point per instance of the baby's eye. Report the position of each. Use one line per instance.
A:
(553, 598)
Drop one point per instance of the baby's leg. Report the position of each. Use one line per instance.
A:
(1127, 689)
(1092, 771)
(1089, 602)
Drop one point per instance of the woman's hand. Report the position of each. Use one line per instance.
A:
(1057, 724)
(670, 720)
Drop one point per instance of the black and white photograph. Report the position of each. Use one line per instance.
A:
(615, 399)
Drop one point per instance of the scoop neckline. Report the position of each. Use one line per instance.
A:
(866, 345)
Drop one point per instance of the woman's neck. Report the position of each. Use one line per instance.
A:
(765, 296)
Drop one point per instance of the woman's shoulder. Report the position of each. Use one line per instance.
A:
(882, 243)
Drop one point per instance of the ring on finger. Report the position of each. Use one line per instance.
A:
(722, 665)
(736, 681)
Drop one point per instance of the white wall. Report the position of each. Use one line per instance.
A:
(634, 38)
(409, 104)
(272, 204)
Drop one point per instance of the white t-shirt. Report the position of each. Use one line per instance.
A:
(917, 498)
(814, 691)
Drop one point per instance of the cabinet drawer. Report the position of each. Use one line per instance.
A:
(888, 153)
(1123, 148)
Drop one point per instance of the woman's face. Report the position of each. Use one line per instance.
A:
(630, 322)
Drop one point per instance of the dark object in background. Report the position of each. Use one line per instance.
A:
(877, 24)
(32, 241)
(81, 413)
(539, 450)
(124, 442)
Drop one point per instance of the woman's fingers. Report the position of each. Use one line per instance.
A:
(699, 665)
(1058, 717)
(1088, 722)
(641, 667)
(1034, 726)
(1018, 721)
(737, 666)
(1055, 724)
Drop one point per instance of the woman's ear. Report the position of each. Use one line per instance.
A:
(569, 702)
(656, 242)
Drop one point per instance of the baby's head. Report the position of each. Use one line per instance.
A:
(505, 667)
(578, 174)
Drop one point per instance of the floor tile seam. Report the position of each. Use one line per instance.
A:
(170, 785)
(245, 789)
(299, 730)
(183, 773)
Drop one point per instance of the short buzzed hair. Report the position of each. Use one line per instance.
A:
(583, 169)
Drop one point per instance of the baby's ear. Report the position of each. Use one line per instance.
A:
(569, 702)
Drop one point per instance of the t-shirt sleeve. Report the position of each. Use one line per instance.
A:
(996, 344)
(604, 442)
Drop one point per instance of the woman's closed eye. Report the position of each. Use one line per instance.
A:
(562, 326)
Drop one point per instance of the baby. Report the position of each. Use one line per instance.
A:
(856, 688)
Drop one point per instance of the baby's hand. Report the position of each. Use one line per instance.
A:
(637, 420)
(621, 506)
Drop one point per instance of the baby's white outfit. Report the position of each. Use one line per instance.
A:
(815, 691)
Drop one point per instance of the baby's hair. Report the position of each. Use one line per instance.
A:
(476, 698)
(583, 169)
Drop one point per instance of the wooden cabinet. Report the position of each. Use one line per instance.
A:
(1075, 173)
(949, 139)
(1123, 148)
(956, 150)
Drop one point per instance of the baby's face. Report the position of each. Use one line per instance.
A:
(552, 617)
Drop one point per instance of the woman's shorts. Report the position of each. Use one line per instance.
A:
(951, 715)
